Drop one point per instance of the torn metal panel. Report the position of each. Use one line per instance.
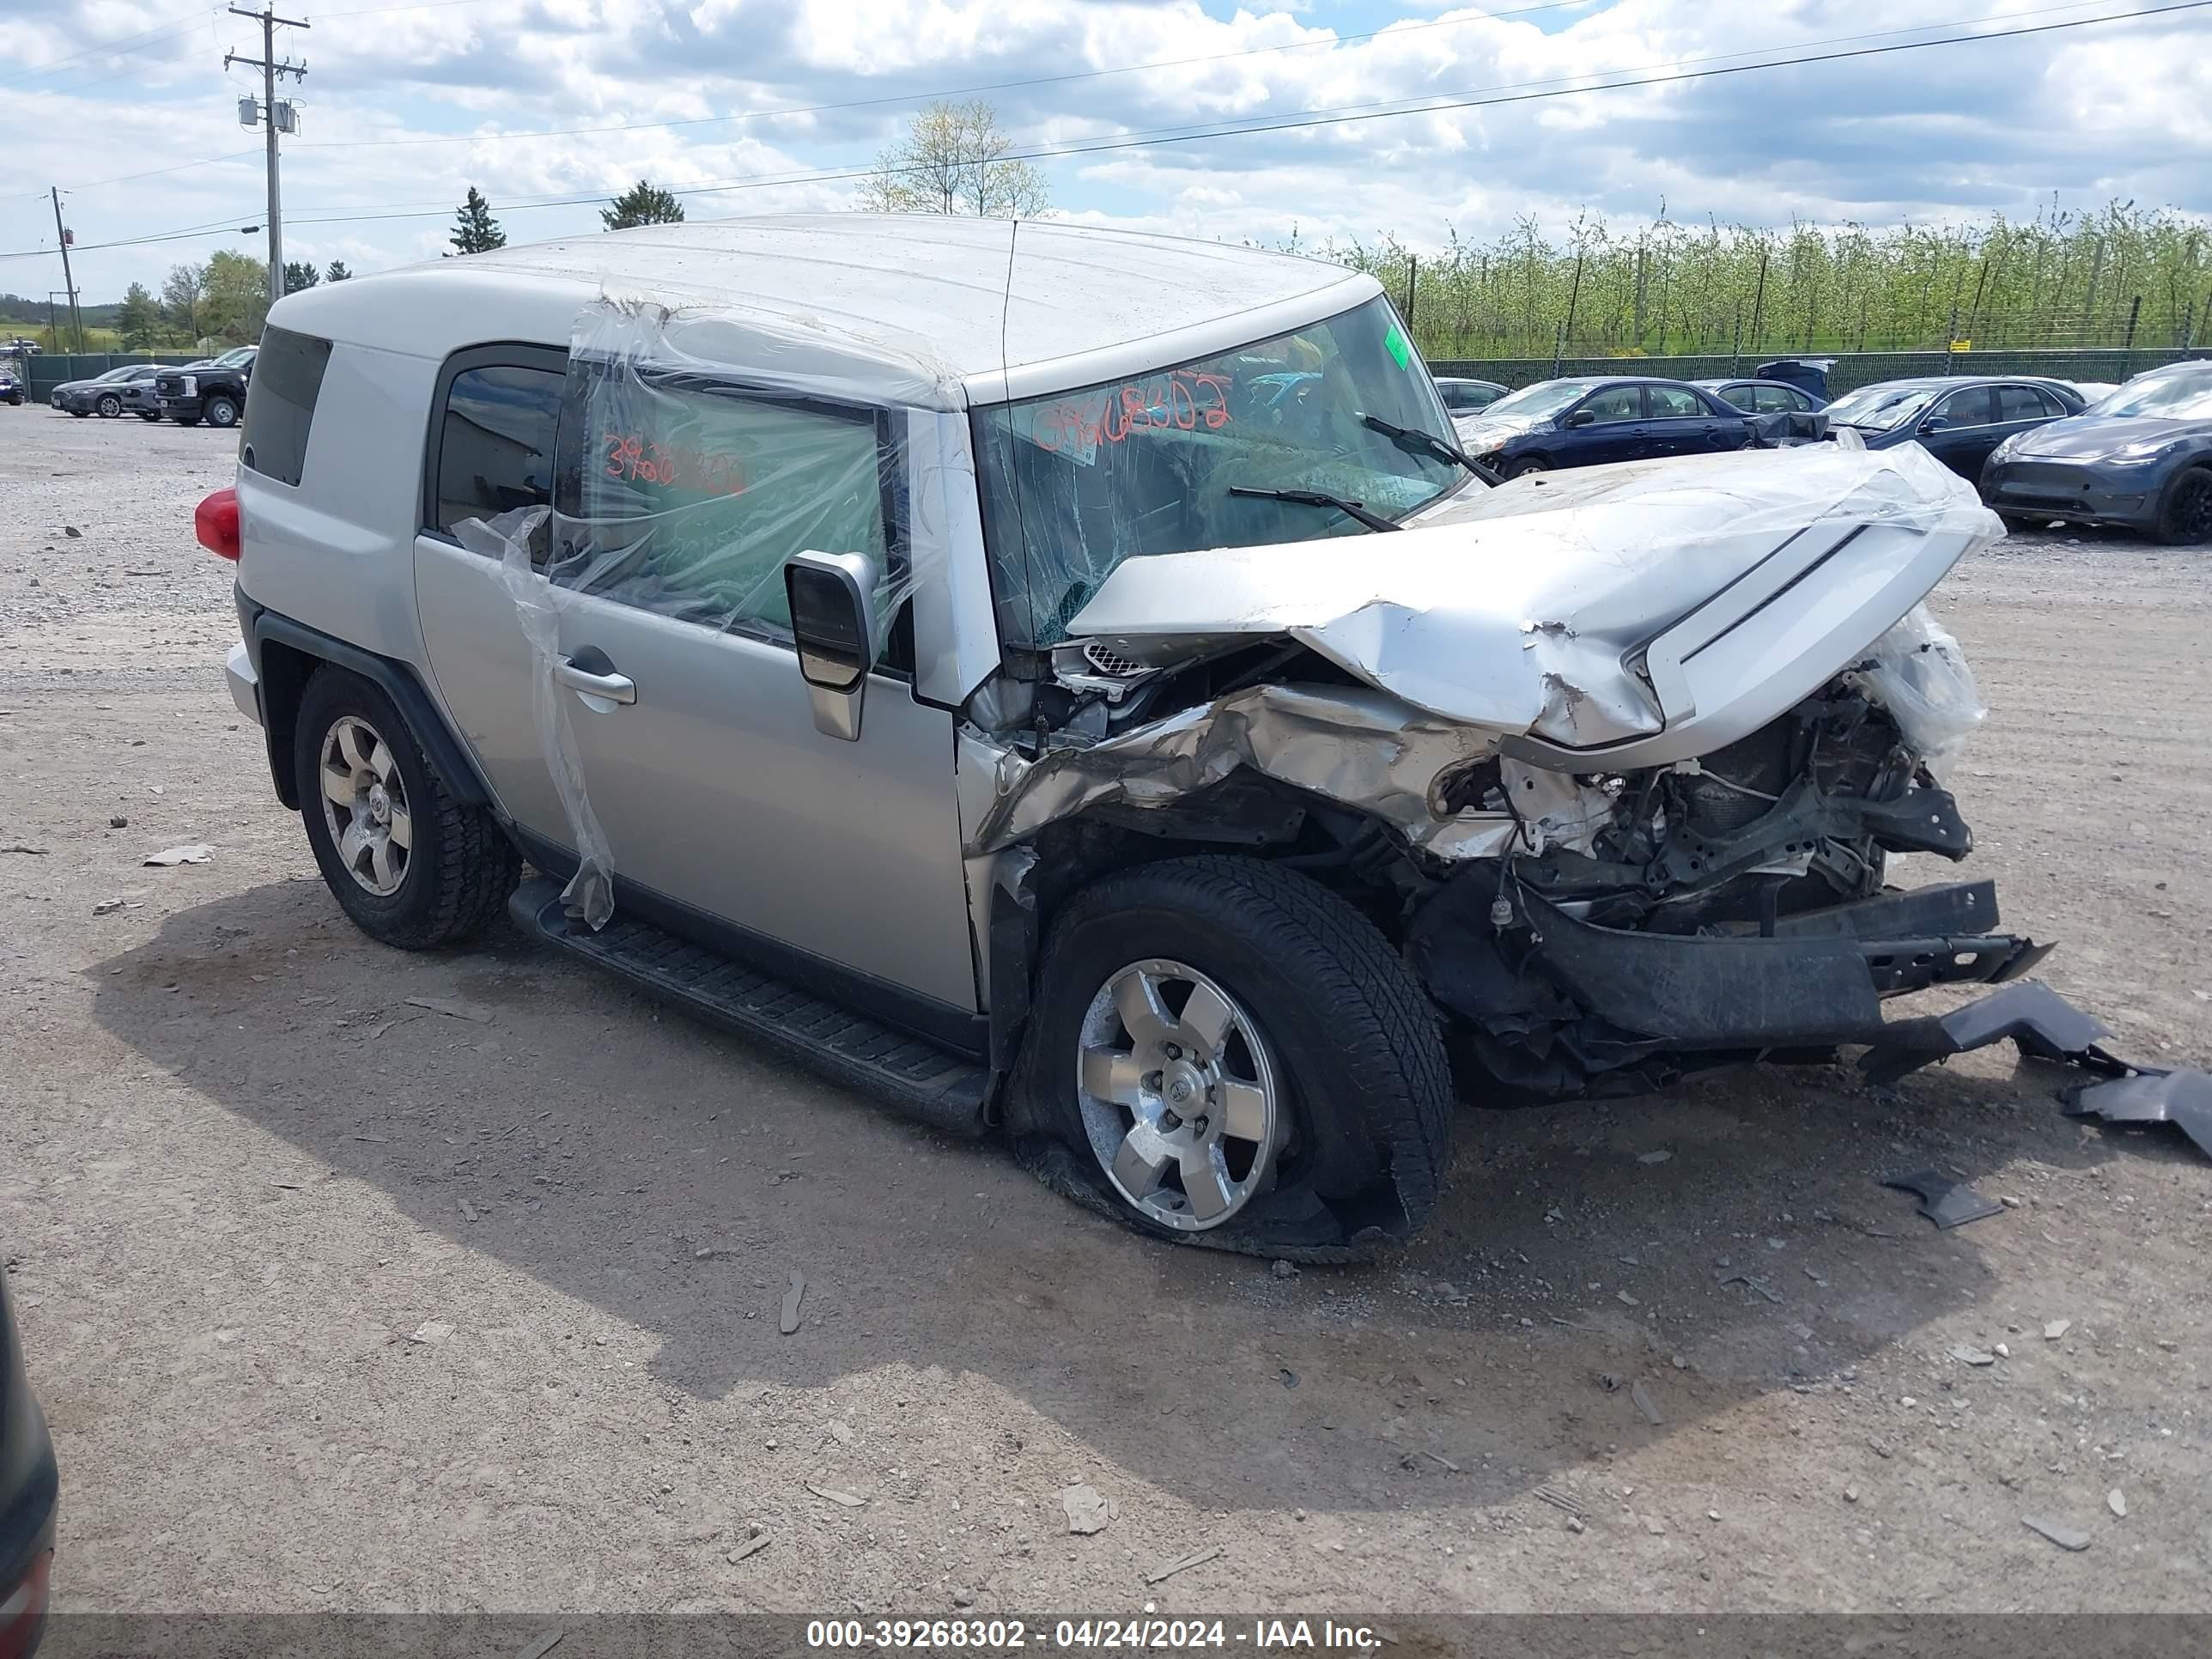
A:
(1363, 748)
(2183, 1098)
(2036, 1018)
(1653, 611)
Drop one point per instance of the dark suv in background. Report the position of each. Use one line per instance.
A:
(214, 392)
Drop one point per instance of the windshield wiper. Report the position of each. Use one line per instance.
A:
(1415, 441)
(1353, 510)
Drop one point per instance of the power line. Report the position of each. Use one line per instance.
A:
(1343, 115)
(125, 44)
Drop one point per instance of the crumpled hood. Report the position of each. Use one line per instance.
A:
(2099, 437)
(1654, 610)
(1480, 433)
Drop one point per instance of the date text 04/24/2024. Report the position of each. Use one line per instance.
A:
(1148, 1634)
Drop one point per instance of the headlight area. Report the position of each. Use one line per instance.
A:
(1717, 910)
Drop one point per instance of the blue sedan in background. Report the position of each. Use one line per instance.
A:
(1764, 397)
(1586, 421)
(1958, 419)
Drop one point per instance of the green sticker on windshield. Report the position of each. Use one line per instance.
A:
(1398, 346)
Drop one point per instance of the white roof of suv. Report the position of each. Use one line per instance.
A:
(1086, 304)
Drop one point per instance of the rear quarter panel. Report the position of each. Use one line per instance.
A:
(337, 551)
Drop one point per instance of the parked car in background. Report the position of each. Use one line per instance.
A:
(29, 1492)
(1764, 397)
(215, 393)
(11, 386)
(2142, 458)
(1806, 373)
(1462, 396)
(1957, 419)
(129, 388)
(1585, 421)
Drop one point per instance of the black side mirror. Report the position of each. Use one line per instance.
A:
(832, 621)
(1582, 417)
(1933, 423)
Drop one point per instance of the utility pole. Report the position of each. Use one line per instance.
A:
(271, 72)
(77, 316)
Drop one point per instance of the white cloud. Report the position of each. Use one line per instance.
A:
(1954, 132)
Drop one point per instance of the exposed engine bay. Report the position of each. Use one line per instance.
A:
(1596, 914)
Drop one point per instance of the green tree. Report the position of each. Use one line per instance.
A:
(337, 272)
(642, 203)
(181, 294)
(298, 274)
(137, 317)
(237, 297)
(475, 231)
(953, 160)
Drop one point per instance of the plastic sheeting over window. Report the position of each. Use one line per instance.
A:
(700, 450)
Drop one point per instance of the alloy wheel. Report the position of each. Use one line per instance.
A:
(365, 806)
(1179, 1095)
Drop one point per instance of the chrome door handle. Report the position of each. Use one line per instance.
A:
(615, 687)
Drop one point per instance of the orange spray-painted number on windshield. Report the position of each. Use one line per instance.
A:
(1184, 401)
(634, 459)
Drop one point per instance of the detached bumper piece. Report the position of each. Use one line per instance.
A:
(1552, 1005)
(2044, 1025)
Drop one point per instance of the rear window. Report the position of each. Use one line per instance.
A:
(280, 403)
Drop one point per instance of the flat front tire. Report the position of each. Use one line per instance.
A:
(1222, 1052)
(411, 865)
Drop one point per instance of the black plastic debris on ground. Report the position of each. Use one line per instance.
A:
(2181, 1098)
(2045, 1026)
(1947, 1203)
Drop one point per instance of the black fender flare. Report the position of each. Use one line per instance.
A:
(280, 694)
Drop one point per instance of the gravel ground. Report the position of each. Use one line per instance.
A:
(338, 1303)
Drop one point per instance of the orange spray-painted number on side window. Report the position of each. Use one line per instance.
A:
(636, 460)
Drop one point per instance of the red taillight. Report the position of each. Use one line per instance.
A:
(214, 521)
(23, 1610)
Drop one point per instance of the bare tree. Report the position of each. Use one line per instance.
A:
(953, 160)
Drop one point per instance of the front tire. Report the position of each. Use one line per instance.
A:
(2186, 518)
(109, 406)
(220, 411)
(1222, 1052)
(1527, 464)
(411, 865)
(154, 415)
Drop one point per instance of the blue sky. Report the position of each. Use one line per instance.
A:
(126, 105)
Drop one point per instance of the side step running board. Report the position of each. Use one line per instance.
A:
(913, 1076)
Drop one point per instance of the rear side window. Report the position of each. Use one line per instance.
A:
(2026, 402)
(495, 442)
(280, 403)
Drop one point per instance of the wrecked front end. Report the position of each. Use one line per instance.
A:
(1620, 764)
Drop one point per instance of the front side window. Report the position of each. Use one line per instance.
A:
(1675, 403)
(1074, 482)
(1967, 407)
(496, 450)
(690, 495)
(1612, 406)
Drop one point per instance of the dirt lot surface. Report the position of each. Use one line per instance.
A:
(338, 1302)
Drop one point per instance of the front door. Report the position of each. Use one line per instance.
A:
(1615, 430)
(711, 781)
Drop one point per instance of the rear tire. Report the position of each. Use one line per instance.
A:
(2185, 519)
(1324, 1015)
(220, 411)
(441, 869)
